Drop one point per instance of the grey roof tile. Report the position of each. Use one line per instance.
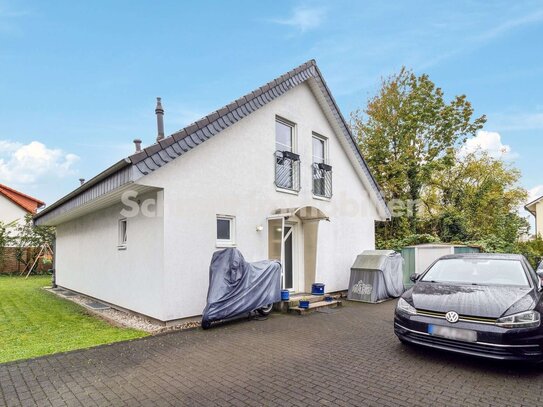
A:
(191, 128)
(216, 126)
(184, 145)
(213, 116)
(135, 158)
(166, 142)
(171, 152)
(181, 134)
(200, 134)
(152, 149)
(202, 122)
(164, 156)
(177, 148)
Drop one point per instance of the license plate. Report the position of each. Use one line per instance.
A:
(453, 333)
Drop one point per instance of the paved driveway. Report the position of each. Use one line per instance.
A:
(350, 357)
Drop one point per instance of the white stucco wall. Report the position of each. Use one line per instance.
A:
(539, 219)
(233, 174)
(10, 211)
(88, 259)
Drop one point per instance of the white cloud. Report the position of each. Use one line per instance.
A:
(522, 121)
(535, 192)
(511, 24)
(489, 142)
(303, 18)
(30, 163)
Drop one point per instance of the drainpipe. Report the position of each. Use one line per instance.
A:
(53, 276)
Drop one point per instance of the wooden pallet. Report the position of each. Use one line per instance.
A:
(313, 306)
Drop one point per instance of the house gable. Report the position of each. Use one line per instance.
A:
(10, 211)
(27, 203)
(179, 143)
(158, 155)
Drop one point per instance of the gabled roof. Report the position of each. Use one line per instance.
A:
(530, 207)
(184, 140)
(26, 202)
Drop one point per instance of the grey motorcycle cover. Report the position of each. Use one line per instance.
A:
(238, 287)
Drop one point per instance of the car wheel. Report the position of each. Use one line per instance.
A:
(265, 311)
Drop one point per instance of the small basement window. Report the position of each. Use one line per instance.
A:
(225, 231)
(122, 233)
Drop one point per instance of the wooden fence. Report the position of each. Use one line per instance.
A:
(10, 265)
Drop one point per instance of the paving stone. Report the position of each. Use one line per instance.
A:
(347, 358)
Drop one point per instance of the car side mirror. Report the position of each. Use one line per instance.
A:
(414, 277)
(539, 273)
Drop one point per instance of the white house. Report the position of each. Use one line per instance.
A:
(275, 173)
(15, 205)
(536, 208)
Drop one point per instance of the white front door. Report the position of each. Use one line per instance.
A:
(282, 246)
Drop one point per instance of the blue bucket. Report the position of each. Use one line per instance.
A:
(317, 289)
(303, 304)
(285, 295)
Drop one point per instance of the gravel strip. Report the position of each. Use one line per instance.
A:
(121, 318)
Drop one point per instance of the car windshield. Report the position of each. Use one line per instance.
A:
(478, 271)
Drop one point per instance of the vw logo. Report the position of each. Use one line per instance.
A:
(451, 316)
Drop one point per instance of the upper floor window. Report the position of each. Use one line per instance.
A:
(318, 149)
(287, 162)
(322, 172)
(284, 135)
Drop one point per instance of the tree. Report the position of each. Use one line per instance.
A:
(413, 139)
(408, 132)
(29, 239)
(475, 199)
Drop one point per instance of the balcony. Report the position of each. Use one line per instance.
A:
(322, 180)
(287, 170)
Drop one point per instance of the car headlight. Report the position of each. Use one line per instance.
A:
(404, 306)
(527, 319)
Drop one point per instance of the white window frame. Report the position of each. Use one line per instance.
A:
(122, 237)
(325, 144)
(326, 160)
(293, 126)
(226, 242)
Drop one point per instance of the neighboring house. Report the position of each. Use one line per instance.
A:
(536, 208)
(276, 173)
(15, 205)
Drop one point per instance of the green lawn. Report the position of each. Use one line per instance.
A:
(34, 322)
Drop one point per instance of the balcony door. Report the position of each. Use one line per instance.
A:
(284, 168)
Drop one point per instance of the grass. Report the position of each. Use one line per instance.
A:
(34, 322)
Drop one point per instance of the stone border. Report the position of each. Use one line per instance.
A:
(120, 318)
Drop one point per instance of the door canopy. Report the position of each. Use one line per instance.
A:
(305, 213)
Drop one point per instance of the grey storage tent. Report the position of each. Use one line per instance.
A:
(376, 275)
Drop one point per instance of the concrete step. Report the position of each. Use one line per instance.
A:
(315, 306)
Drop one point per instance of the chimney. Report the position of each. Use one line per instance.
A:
(81, 181)
(137, 142)
(159, 119)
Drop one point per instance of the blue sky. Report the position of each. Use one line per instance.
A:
(78, 80)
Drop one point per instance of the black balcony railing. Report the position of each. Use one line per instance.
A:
(322, 180)
(287, 170)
